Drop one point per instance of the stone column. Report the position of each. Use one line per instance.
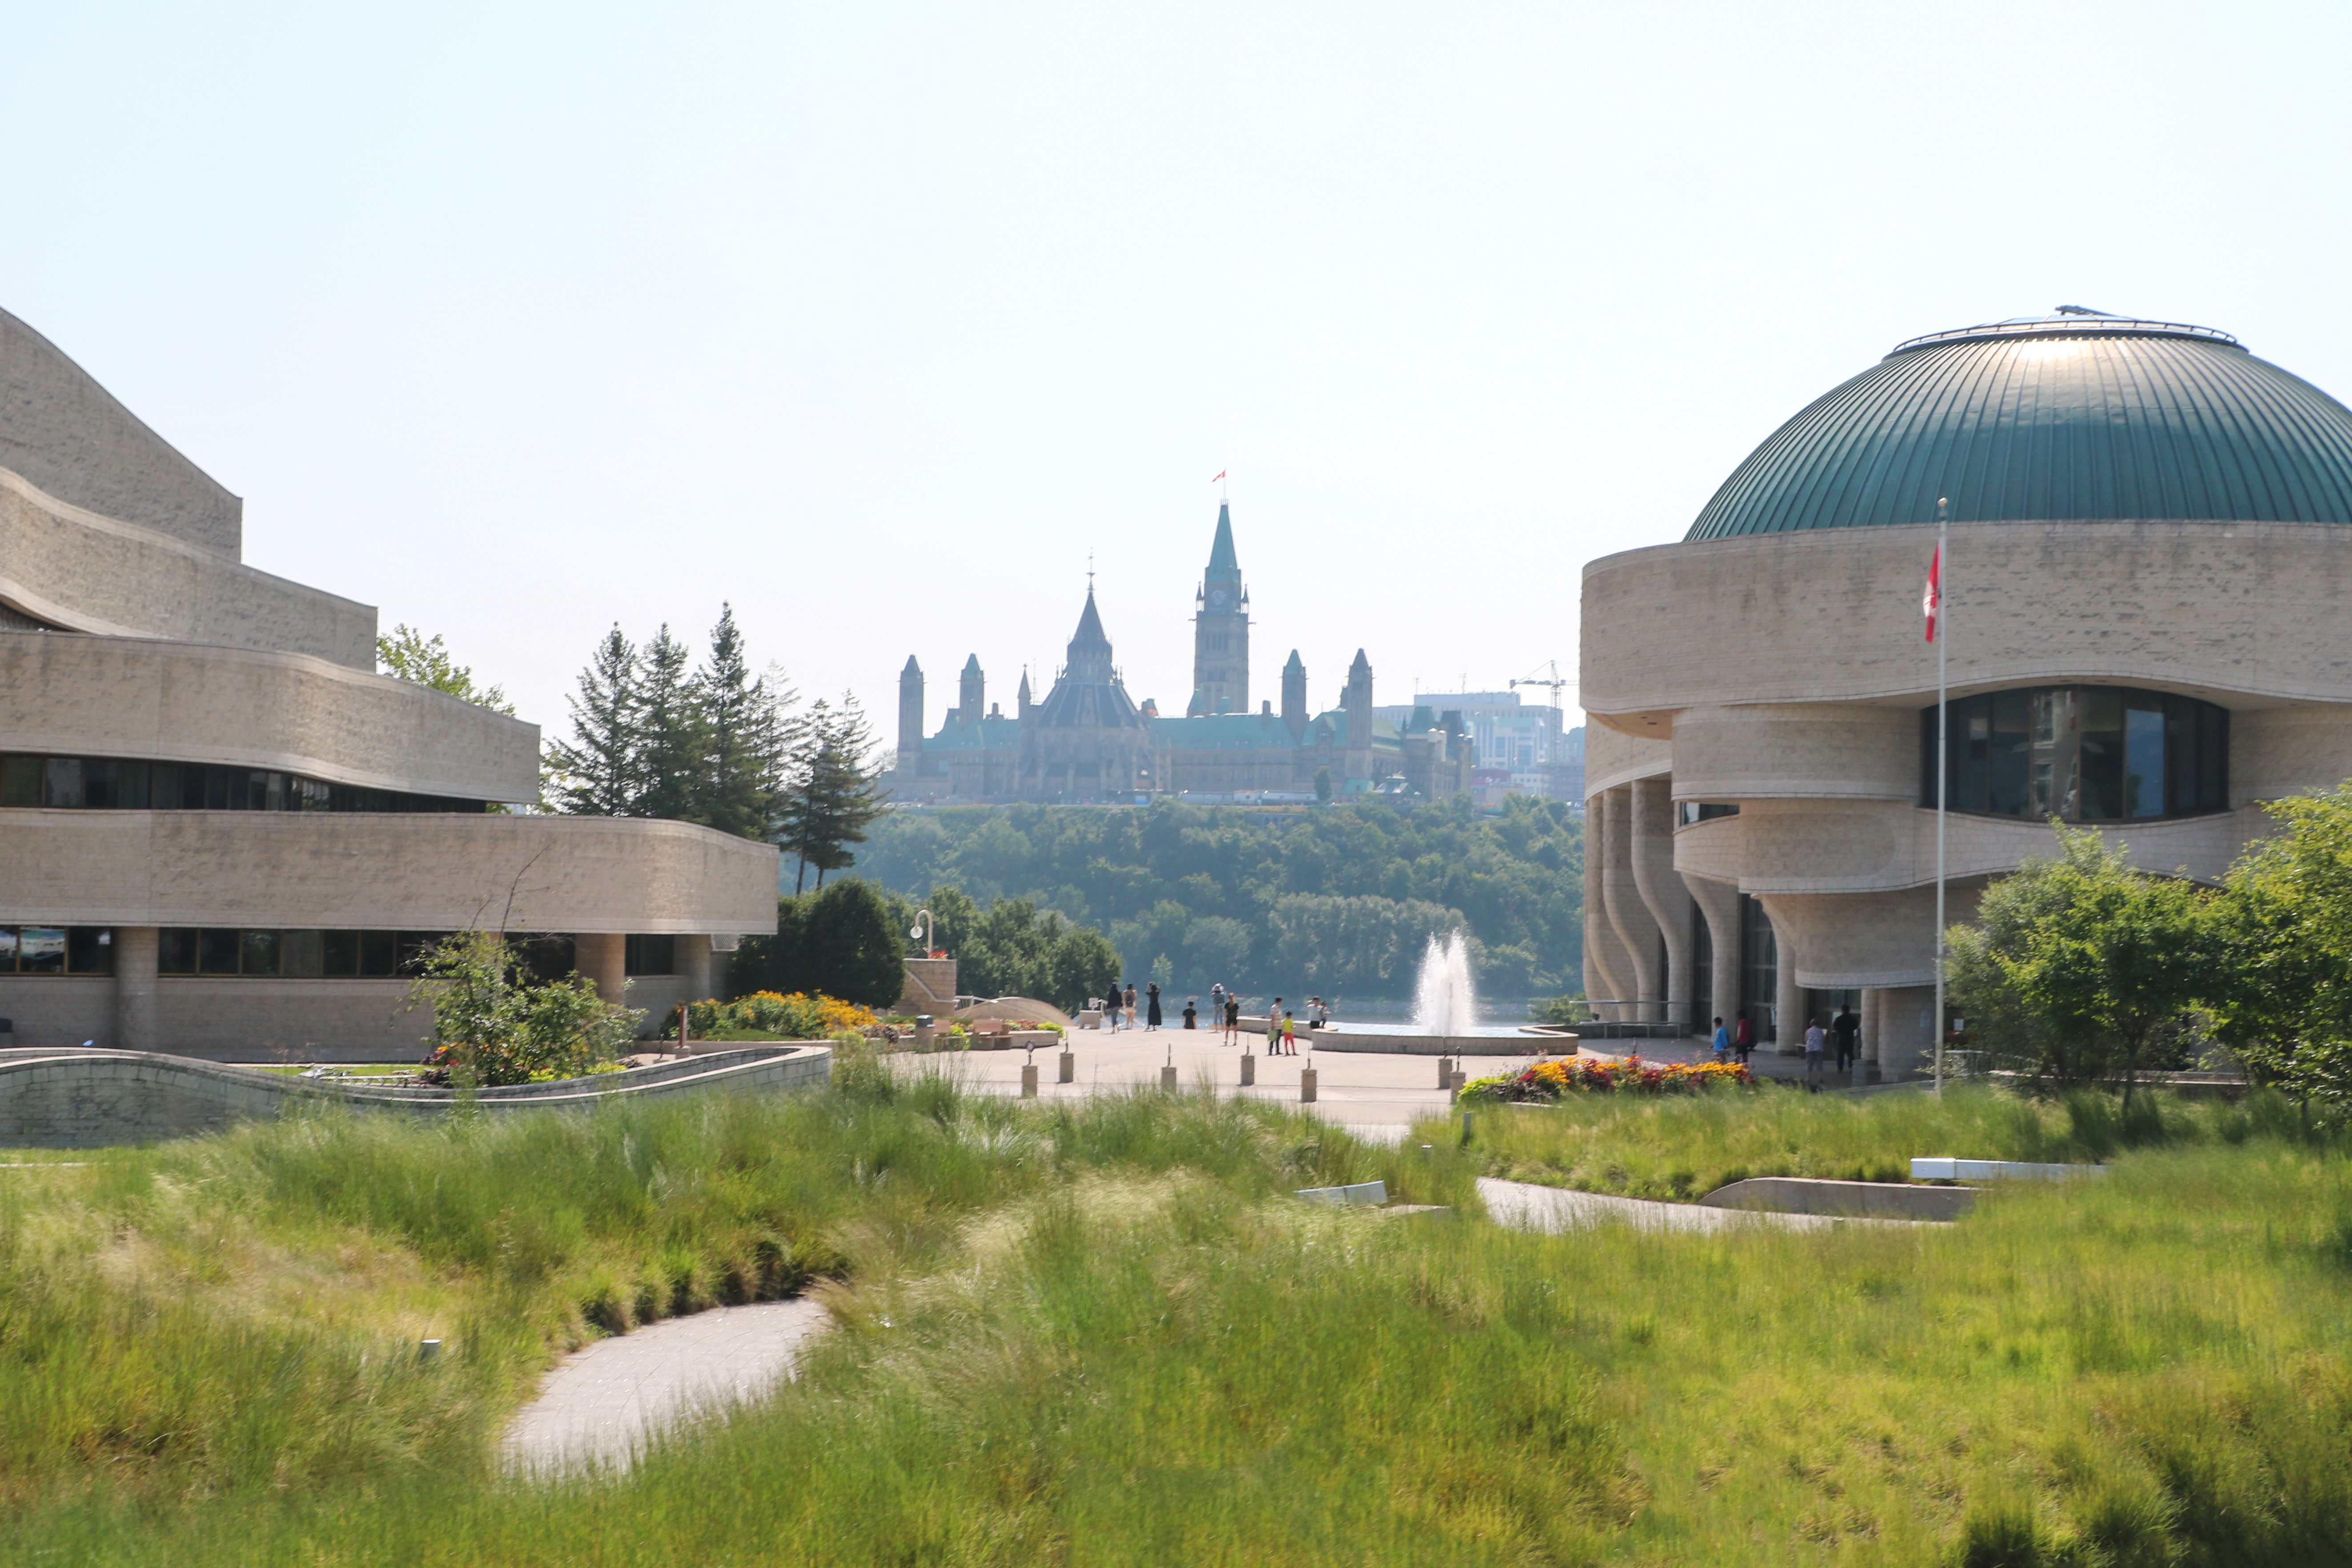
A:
(135, 988)
(1866, 1066)
(603, 958)
(1662, 888)
(1719, 902)
(699, 967)
(1616, 968)
(1636, 931)
(1788, 1001)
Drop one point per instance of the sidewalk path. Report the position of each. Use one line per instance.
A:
(603, 1403)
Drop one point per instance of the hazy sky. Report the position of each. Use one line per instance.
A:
(878, 320)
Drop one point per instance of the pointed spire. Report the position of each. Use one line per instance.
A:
(912, 669)
(1294, 665)
(972, 664)
(1223, 562)
(1362, 667)
(1023, 695)
(1089, 651)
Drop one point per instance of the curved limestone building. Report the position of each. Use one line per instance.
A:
(2146, 596)
(221, 833)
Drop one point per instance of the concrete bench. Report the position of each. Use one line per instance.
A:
(1373, 1192)
(1939, 1169)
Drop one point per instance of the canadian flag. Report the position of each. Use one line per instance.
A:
(1931, 604)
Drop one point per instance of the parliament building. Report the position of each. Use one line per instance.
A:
(1089, 741)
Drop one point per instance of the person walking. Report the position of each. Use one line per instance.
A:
(1130, 1003)
(1110, 1012)
(1722, 1040)
(1232, 1019)
(1743, 1038)
(1191, 1013)
(1274, 1028)
(1816, 1045)
(1152, 1012)
(1845, 1030)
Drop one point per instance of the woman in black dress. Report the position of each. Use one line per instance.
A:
(1151, 996)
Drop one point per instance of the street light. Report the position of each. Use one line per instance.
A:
(925, 930)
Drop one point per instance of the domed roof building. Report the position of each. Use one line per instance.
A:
(2147, 567)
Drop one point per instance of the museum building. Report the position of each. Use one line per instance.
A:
(222, 834)
(2145, 595)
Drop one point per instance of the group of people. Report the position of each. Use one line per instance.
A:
(1225, 1012)
(1738, 1039)
(1845, 1031)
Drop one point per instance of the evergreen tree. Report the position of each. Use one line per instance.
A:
(669, 746)
(595, 774)
(746, 738)
(832, 795)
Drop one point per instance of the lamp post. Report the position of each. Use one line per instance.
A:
(925, 930)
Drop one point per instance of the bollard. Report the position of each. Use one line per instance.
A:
(1466, 1127)
(1445, 1072)
(1455, 1080)
(1249, 1069)
(1069, 1067)
(1305, 1086)
(1029, 1080)
(922, 1031)
(428, 1349)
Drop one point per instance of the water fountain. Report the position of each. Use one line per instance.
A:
(1445, 996)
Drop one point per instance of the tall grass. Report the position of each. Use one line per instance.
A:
(1682, 1147)
(245, 1309)
(1108, 1348)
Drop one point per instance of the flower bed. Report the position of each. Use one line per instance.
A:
(1548, 1081)
(765, 1014)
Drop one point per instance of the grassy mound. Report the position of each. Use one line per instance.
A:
(1097, 1335)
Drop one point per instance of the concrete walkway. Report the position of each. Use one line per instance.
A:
(1375, 1095)
(603, 1405)
(1524, 1205)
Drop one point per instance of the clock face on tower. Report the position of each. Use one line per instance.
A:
(1216, 598)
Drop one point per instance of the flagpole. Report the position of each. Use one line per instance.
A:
(1943, 764)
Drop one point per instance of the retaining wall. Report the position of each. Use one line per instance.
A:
(86, 1099)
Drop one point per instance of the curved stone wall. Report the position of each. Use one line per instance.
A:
(67, 433)
(2223, 611)
(417, 872)
(76, 569)
(85, 1099)
(119, 696)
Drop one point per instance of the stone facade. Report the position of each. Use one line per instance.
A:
(197, 757)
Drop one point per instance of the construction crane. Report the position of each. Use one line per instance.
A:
(1555, 681)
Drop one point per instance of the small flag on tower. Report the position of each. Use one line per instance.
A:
(1932, 604)
(1220, 474)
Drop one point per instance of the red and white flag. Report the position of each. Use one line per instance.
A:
(1220, 474)
(1931, 604)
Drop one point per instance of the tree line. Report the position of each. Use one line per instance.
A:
(1335, 899)
(2080, 969)
(653, 735)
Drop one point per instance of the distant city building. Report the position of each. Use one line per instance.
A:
(1521, 746)
(1089, 740)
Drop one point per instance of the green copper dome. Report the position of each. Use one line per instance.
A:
(2076, 416)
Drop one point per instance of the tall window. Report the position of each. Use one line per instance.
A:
(2081, 753)
(1759, 971)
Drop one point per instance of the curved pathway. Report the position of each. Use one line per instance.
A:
(603, 1403)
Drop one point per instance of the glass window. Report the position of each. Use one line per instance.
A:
(650, 955)
(165, 788)
(2092, 753)
(61, 782)
(379, 953)
(175, 951)
(8, 950)
(216, 952)
(258, 952)
(20, 780)
(89, 950)
(40, 950)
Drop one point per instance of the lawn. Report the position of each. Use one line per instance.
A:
(1103, 1336)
